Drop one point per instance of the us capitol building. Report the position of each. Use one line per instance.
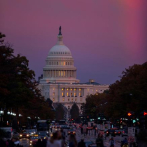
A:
(59, 82)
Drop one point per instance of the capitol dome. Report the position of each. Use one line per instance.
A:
(59, 49)
(59, 66)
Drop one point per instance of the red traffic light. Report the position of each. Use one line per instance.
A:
(129, 114)
(145, 113)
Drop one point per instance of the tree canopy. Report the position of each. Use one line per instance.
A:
(129, 94)
(59, 112)
(126, 94)
(74, 112)
(18, 87)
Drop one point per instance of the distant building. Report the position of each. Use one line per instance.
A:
(59, 81)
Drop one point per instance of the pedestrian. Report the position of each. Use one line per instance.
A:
(84, 129)
(11, 143)
(54, 141)
(7, 143)
(39, 143)
(111, 142)
(72, 141)
(81, 129)
(99, 141)
(95, 130)
(81, 143)
(2, 143)
(43, 142)
(61, 138)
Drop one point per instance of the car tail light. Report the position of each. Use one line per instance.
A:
(107, 132)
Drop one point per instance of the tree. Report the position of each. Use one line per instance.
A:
(59, 112)
(128, 93)
(95, 104)
(74, 112)
(18, 87)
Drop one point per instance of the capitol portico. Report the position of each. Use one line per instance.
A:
(59, 81)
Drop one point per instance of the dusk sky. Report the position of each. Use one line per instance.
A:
(104, 36)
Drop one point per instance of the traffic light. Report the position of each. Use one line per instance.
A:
(130, 118)
(129, 114)
(145, 113)
(143, 119)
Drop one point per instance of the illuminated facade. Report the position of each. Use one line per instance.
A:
(59, 81)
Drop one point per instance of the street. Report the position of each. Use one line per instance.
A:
(24, 142)
(90, 137)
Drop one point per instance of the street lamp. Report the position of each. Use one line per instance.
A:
(1, 114)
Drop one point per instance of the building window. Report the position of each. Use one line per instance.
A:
(63, 99)
(68, 99)
(53, 99)
(62, 94)
(67, 94)
(80, 99)
(72, 99)
(75, 99)
(53, 93)
(74, 94)
(71, 95)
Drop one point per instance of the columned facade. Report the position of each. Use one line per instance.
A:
(59, 81)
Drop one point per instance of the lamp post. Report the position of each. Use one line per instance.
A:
(1, 116)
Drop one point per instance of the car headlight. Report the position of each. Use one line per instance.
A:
(30, 141)
(27, 135)
(20, 135)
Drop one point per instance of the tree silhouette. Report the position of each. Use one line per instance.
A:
(59, 112)
(18, 87)
(74, 112)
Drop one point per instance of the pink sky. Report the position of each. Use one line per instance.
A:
(104, 36)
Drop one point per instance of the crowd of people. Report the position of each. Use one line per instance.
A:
(59, 139)
(10, 143)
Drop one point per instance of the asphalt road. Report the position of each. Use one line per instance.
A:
(24, 142)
